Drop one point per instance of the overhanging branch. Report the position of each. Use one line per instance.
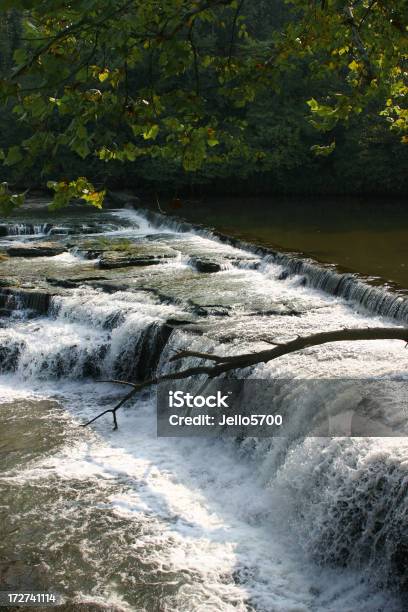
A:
(223, 364)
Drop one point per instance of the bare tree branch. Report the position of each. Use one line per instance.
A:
(366, 14)
(118, 382)
(233, 28)
(182, 354)
(245, 360)
(195, 57)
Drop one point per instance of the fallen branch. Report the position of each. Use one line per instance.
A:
(223, 364)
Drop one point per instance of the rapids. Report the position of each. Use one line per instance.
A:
(128, 521)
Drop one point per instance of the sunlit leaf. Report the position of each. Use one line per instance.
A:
(151, 132)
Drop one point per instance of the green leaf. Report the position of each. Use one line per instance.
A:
(354, 66)
(81, 147)
(38, 107)
(151, 133)
(14, 156)
(323, 151)
(20, 56)
(313, 104)
(131, 152)
(9, 201)
(95, 198)
(102, 76)
(64, 192)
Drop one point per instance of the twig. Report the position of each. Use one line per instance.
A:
(118, 382)
(234, 24)
(158, 205)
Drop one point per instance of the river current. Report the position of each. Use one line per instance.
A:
(123, 520)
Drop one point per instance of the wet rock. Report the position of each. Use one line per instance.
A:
(4, 299)
(108, 286)
(205, 265)
(178, 322)
(25, 299)
(64, 283)
(160, 236)
(114, 320)
(140, 357)
(69, 283)
(279, 312)
(89, 254)
(8, 282)
(92, 364)
(3, 230)
(211, 311)
(35, 300)
(113, 259)
(40, 249)
(119, 253)
(162, 297)
(9, 356)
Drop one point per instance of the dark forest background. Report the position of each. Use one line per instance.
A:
(368, 158)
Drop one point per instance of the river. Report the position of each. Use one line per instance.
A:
(359, 235)
(123, 520)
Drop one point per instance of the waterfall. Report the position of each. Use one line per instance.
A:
(346, 499)
(376, 300)
(120, 337)
(24, 299)
(342, 501)
(26, 229)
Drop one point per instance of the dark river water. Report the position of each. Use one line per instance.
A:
(366, 236)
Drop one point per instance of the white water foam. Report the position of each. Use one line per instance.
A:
(220, 525)
(245, 523)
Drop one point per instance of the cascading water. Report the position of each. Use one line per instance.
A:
(129, 521)
(27, 229)
(374, 300)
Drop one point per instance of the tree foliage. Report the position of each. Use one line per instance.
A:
(193, 87)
